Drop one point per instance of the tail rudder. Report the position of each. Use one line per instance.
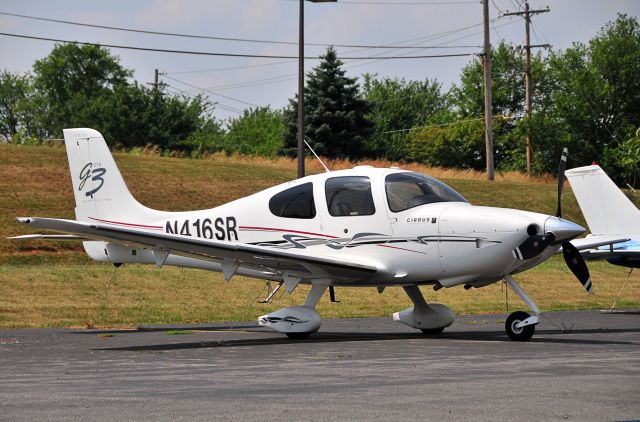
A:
(99, 189)
(605, 207)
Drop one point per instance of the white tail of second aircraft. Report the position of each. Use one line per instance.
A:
(605, 207)
(100, 191)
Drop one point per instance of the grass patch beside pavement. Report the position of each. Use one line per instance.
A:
(86, 295)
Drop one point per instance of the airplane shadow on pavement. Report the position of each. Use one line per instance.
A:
(334, 337)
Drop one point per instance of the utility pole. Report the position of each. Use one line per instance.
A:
(156, 83)
(301, 83)
(527, 72)
(301, 91)
(488, 108)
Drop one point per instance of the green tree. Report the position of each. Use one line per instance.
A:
(458, 145)
(624, 160)
(508, 104)
(597, 93)
(69, 79)
(207, 139)
(398, 105)
(335, 122)
(257, 132)
(172, 119)
(85, 86)
(507, 84)
(14, 91)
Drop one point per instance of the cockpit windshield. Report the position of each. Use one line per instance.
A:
(408, 190)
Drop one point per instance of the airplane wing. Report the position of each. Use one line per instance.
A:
(624, 252)
(614, 248)
(290, 263)
(611, 254)
(595, 240)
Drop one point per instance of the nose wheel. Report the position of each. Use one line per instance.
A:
(520, 326)
(514, 327)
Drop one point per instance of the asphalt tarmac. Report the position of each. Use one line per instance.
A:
(582, 365)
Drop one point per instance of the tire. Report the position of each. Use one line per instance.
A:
(432, 331)
(298, 336)
(519, 334)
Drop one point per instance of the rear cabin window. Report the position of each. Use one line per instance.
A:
(408, 190)
(295, 202)
(349, 196)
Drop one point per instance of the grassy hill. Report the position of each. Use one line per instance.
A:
(53, 283)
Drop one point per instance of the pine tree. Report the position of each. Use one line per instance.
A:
(334, 113)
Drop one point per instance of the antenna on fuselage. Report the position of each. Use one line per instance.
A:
(316, 155)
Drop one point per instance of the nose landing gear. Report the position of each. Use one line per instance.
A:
(520, 326)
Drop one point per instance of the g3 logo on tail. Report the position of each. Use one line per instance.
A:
(95, 174)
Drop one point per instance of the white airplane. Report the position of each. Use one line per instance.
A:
(366, 226)
(611, 216)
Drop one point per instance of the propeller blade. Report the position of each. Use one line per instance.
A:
(561, 168)
(533, 246)
(576, 264)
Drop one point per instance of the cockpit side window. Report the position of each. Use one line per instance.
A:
(295, 202)
(408, 190)
(349, 196)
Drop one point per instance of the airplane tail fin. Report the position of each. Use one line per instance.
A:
(605, 207)
(100, 191)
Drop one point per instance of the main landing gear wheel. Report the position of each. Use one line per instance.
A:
(522, 333)
(432, 331)
(298, 336)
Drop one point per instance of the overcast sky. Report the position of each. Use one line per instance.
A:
(258, 81)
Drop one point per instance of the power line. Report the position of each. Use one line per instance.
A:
(497, 8)
(533, 26)
(205, 53)
(379, 57)
(264, 81)
(143, 31)
(517, 5)
(224, 69)
(207, 37)
(260, 82)
(377, 60)
(211, 92)
(495, 30)
(216, 103)
(447, 124)
(426, 38)
(292, 76)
